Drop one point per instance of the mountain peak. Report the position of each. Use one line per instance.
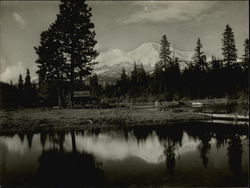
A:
(112, 61)
(148, 47)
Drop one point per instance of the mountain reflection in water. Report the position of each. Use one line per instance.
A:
(179, 155)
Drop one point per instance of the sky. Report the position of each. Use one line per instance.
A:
(123, 25)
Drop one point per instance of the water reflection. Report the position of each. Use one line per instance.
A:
(234, 152)
(57, 167)
(184, 154)
(169, 151)
(204, 148)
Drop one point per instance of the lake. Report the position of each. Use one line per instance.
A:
(189, 154)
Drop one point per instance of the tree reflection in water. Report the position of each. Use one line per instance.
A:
(57, 167)
(60, 167)
(204, 148)
(43, 137)
(234, 153)
(29, 138)
(169, 152)
(21, 136)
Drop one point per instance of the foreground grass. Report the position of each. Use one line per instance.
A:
(39, 119)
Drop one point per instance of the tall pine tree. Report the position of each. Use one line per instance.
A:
(199, 56)
(124, 83)
(20, 83)
(165, 60)
(27, 83)
(79, 38)
(73, 33)
(27, 89)
(165, 51)
(246, 54)
(53, 69)
(20, 87)
(229, 50)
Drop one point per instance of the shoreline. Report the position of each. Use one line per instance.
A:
(40, 119)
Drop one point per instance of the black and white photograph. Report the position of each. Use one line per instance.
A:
(116, 93)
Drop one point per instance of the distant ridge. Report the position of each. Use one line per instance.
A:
(111, 62)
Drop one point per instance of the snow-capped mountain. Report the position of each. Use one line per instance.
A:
(111, 62)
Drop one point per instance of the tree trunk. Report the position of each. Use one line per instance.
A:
(59, 100)
(73, 139)
(59, 91)
(72, 80)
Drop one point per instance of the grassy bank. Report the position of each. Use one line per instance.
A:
(39, 119)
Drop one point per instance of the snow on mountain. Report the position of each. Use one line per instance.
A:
(111, 62)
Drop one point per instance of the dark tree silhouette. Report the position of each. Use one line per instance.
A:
(165, 51)
(27, 83)
(60, 168)
(246, 55)
(124, 83)
(169, 151)
(74, 169)
(29, 138)
(51, 61)
(20, 83)
(204, 148)
(43, 137)
(229, 50)
(134, 82)
(199, 56)
(78, 34)
(234, 152)
(73, 33)
(165, 59)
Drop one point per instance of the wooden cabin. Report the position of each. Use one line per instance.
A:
(81, 98)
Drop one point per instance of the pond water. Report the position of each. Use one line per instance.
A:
(199, 154)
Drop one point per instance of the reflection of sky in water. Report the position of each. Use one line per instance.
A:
(119, 154)
(104, 146)
(118, 148)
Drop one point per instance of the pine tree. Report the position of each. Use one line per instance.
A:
(134, 82)
(229, 50)
(142, 80)
(27, 83)
(165, 61)
(27, 89)
(246, 54)
(124, 82)
(20, 83)
(165, 51)
(199, 56)
(245, 66)
(157, 79)
(78, 34)
(67, 49)
(51, 61)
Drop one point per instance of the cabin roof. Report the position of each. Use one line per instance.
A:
(81, 94)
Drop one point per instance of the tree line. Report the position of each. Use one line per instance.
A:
(66, 57)
(201, 79)
(24, 94)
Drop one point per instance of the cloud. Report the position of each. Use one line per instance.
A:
(12, 72)
(168, 11)
(98, 47)
(19, 20)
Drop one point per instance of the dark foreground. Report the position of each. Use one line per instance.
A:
(186, 154)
